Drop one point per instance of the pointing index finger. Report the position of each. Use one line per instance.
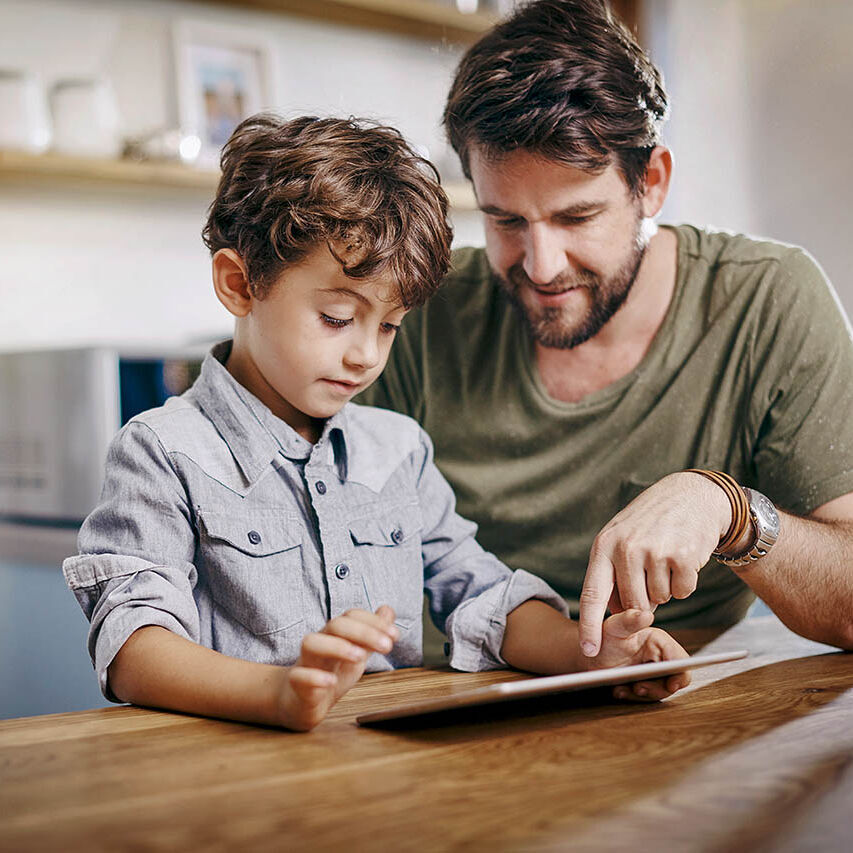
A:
(597, 588)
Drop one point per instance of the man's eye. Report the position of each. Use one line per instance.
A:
(508, 223)
(335, 322)
(389, 328)
(576, 220)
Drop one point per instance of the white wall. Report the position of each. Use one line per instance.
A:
(83, 265)
(762, 119)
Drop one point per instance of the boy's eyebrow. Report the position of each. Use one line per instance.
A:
(579, 209)
(348, 292)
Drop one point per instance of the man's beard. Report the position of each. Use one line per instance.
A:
(548, 326)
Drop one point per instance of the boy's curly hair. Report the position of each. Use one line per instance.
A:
(352, 184)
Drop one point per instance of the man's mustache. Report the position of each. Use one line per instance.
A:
(565, 281)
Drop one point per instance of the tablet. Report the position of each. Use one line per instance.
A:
(527, 688)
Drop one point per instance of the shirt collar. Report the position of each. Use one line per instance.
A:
(252, 432)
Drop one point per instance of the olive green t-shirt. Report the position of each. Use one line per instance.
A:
(750, 373)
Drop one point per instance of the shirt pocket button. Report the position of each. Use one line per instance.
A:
(254, 537)
(397, 536)
(341, 571)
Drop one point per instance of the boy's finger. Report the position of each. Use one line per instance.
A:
(622, 625)
(325, 650)
(641, 691)
(383, 619)
(386, 614)
(362, 632)
(678, 681)
(308, 678)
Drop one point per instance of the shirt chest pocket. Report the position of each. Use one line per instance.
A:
(253, 566)
(387, 546)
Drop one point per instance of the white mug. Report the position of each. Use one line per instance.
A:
(24, 117)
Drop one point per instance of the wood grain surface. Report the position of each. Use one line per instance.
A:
(757, 754)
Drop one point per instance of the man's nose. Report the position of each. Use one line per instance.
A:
(544, 254)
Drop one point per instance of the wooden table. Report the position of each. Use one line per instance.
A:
(755, 755)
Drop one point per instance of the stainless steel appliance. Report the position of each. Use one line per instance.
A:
(58, 412)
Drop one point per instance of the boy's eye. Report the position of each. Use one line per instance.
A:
(335, 322)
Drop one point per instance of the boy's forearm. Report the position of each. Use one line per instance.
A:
(159, 669)
(540, 639)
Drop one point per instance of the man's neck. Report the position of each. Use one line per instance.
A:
(569, 375)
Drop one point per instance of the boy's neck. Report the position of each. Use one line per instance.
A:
(243, 368)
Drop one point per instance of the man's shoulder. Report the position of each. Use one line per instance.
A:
(718, 248)
(732, 261)
(469, 284)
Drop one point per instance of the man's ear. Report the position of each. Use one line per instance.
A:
(231, 282)
(658, 173)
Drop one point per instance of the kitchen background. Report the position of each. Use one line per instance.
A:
(97, 252)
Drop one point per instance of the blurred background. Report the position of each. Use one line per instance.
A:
(111, 115)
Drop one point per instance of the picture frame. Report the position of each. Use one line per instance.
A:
(223, 75)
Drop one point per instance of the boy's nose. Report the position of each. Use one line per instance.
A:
(363, 353)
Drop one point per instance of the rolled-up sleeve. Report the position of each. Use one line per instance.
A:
(470, 591)
(135, 563)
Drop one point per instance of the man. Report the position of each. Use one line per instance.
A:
(573, 372)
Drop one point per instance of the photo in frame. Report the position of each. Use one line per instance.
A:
(223, 74)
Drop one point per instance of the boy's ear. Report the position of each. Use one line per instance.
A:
(231, 282)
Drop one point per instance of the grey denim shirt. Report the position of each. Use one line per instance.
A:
(222, 524)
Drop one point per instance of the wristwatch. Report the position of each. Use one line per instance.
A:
(765, 523)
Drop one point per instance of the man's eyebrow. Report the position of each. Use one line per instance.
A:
(580, 209)
(347, 292)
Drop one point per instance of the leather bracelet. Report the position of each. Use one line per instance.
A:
(741, 518)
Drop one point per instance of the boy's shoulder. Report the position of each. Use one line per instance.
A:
(380, 441)
(181, 428)
(389, 433)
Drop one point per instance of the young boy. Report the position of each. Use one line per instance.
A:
(260, 541)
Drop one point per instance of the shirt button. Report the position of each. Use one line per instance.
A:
(254, 537)
(321, 487)
(341, 570)
(397, 536)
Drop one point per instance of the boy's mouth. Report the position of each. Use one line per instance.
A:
(343, 386)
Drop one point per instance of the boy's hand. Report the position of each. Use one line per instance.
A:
(628, 638)
(330, 662)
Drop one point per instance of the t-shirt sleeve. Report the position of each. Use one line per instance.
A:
(802, 407)
(135, 565)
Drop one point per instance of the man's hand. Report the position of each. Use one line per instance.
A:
(330, 662)
(627, 639)
(652, 550)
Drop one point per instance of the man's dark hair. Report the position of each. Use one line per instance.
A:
(563, 79)
(352, 184)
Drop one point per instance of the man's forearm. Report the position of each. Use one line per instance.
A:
(807, 578)
(159, 669)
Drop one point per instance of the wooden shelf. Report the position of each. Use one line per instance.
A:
(420, 18)
(59, 168)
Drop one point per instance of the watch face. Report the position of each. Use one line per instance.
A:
(768, 518)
